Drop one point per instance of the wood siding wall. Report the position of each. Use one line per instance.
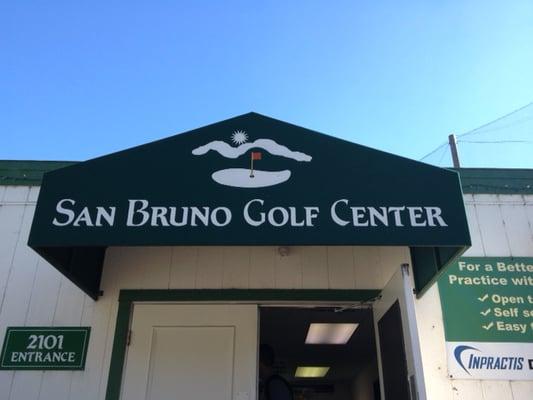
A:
(500, 225)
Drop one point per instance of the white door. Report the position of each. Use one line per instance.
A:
(191, 352)
(399, 360)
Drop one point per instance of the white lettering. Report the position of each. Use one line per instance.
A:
(397, 215)
(358, 213)
(284, 216)
(109, 216)
(184, 217)
(196, 213)
(375, 214)
(159, 213)
(84, 217)
(310, 214)
(132, 211)
(334, 214)
(294, 222)
(65, 211)
(247, 217)
(434, 213)
(227, 216)
(415, 213)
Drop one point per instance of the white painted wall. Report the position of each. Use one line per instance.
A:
(500, 225)
(34, 293)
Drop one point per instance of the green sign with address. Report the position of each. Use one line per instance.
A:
(43, 348)
(488, 299)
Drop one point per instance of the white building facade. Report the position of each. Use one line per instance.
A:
(229, 281)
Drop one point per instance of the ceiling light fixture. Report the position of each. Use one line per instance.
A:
(326, 333)
(311, 372)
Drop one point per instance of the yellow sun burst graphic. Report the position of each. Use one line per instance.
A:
(239, 137)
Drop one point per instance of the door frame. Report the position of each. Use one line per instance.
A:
(128, 297)
(400, 289)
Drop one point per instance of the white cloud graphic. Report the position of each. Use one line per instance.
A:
(269, 145)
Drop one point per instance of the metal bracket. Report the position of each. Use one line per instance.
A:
(405, 269)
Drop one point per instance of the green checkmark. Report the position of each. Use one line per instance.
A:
(487, 327)
(483, 298)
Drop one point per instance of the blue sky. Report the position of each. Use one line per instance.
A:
(82, 79)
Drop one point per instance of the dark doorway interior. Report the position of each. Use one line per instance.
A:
(353, 366)
(393, 359)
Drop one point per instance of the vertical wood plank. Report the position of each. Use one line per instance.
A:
(341, 267)
(491, 225)
(390, 259)
(236, 265)
(467, 390)
(26, 385)
(522, 390)
(473, 227)
(210, 270)
(21, 262)
(155, 267)
(432, 345)
(262, 267)
(315, 267)
(69, 305)
(496, 390)
(16, 300)
(516, 223)
(16, 194)
(33, 195)
(45, 293)
(68, 312)
(10, 226)
(528, 200)
(368, 274)
(183, 267)
(84, 383)
(289, 269)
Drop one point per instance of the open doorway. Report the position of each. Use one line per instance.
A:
(305, 356)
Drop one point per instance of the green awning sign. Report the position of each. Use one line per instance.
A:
(43, 348)
(250, 180)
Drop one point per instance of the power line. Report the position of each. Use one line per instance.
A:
(434, 151)
(443, 154)
(479, 129)
(495, 141)
(499, 128)
(496, 120)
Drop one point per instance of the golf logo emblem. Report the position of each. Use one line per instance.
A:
(250, 177)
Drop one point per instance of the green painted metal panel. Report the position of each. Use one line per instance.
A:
(496, 180)
(256, 295)
(22, 172)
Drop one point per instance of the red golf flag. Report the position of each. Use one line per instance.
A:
(256, 155)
